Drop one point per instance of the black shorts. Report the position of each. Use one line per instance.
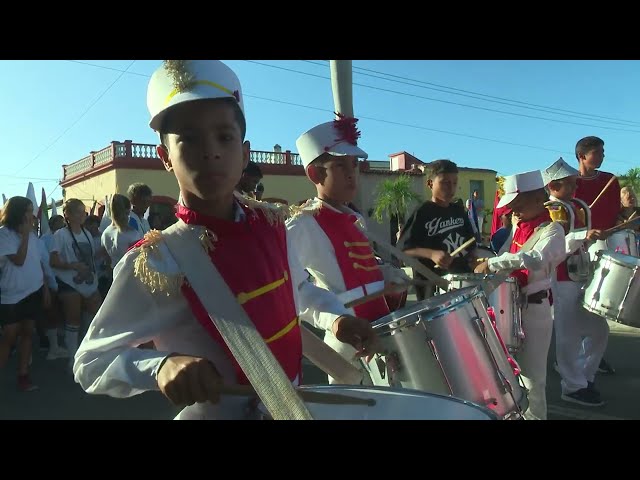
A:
(29, 308)
(64, 287)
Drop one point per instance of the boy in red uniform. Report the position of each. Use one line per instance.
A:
(197, 108)
(328, 235)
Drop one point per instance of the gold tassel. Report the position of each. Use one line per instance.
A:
(304, 209)
(274, 212)
(152, 279)
(181, 77)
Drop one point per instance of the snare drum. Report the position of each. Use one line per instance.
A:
(447, 345)
(614, 289)
(505, 301)
(623, 242)
(390, 404)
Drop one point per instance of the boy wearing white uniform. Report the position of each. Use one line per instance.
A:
(328, 235)
(533, 268)
(571, 321)
(197, 108)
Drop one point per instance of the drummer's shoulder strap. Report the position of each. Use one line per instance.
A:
(533, 239)
(238, 331)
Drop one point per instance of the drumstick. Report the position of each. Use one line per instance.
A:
(622, 226)
(603, 190)
(617, 228)
(379, 293)
(327, 359)
(466, 244)
(307, 396)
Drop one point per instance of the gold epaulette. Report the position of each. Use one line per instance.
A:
(275, 213)
(307, 208)
(155, 281)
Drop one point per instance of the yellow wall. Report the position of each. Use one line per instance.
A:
(292, 188)
(94, 188)
(489, 179)
(161, 182)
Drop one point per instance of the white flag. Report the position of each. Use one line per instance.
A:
(31, 195)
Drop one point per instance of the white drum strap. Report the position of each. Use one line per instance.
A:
(247, 346)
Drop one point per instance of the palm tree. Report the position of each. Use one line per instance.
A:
(394, 196)
(631, 179)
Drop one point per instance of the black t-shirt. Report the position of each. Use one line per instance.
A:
(439, 228)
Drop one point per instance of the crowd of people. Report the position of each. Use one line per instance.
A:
(146, 328)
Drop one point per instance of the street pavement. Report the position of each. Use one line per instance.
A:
(59, 398)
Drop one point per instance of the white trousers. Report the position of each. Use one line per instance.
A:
(480, 223)
(537, 324)
(349, 354)
(572, 323)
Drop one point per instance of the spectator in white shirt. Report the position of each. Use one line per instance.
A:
(23, 292)
(140, 197)
(118, 237)
(74, 264)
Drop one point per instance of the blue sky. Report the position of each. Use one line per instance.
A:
(56, 112)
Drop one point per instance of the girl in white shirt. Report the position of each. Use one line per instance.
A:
(23, 292)
(73, 261)
(118, 237)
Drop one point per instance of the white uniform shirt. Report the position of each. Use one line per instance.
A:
(116, 243)
(66, 248)
(541, 260)
(317, 255)
(17, 282)
(108, 362)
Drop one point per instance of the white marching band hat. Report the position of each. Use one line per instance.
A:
(339, 138)
(520, 183)
(179, 81)
(559, 170)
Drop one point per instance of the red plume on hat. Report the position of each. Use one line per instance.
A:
(346, 128)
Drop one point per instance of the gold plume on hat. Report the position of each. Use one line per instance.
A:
(178, 71)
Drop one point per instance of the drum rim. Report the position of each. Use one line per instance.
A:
(480, 276)
(600, 254)
(600, 313)
(402, 391)
(467, 293)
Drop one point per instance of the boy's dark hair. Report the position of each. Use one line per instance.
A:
(586, 144)
(439, 167)
(253, 170)
(54, 219)
(136, 189)
(14, 212)
(242, 123)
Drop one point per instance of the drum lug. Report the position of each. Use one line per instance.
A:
(393, 367)
(382, 366)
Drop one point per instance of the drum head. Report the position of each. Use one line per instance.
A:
(392, 404)
(431, 306)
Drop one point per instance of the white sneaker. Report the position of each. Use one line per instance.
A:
(57, 353)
